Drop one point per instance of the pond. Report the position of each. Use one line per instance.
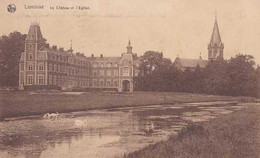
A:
(102, 133)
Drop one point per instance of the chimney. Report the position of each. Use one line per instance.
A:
(54, 47)
(47, 45)
(61, 49)
(78, 53)
(101, 55)
(92, 55)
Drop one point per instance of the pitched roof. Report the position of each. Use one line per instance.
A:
(53, 51)
(215, 37)
(104, 59)
(192, 63)
(34, 33)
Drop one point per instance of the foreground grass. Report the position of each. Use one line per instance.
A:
(231, 136)
(23, 103)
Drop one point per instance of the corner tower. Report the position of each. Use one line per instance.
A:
(28, 63)
(215, 46)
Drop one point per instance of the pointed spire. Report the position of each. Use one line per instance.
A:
(216, 15)
(129, 43)
(129, 47)
(200, 56)
(215, 37)
(215, 46)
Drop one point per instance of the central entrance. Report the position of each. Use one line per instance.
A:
(126, 86)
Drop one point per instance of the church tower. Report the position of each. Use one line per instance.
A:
(215, 47)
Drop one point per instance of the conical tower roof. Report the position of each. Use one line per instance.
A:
(215, 37)
(34, 33)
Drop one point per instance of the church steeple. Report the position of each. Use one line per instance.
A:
(129, 47)
(215, 47)
(215, 37)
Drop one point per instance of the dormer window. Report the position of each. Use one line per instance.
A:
(109, 64)
(95, 64)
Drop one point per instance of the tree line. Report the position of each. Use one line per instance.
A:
(237, 76)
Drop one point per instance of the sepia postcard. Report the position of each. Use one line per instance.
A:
(129, 79)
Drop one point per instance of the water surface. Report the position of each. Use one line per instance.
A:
(102, 133)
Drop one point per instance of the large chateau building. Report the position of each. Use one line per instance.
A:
(215, 51)
(41, 64)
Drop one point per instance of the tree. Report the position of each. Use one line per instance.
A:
(241, 73)
(11, 47)
(216, 78)
(152, 60)
(154, 68)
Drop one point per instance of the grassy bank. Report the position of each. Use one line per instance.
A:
(23, 103)
(231, 136)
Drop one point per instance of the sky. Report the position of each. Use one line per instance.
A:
(174, 27)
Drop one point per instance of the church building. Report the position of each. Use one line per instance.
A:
(215, 51)
(43, 65)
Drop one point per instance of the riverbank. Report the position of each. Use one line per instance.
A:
(235, 136)
(14, 104)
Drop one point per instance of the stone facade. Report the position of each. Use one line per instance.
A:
(41, 64)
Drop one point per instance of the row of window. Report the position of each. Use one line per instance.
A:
(61, 80)
(62, 59)
(84, 72)
(102, 83)
(105, 73)
(63, 68)
(57, 80)
(78, 62)
(57, 57)
(30, 80)
(104, 65)
(30, 67)
(57, 68)
(67, 59)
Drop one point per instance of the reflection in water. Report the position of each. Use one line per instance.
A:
(101, 133)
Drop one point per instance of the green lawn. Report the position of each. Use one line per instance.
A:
(24, 103)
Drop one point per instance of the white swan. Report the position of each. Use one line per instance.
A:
(51, 115)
